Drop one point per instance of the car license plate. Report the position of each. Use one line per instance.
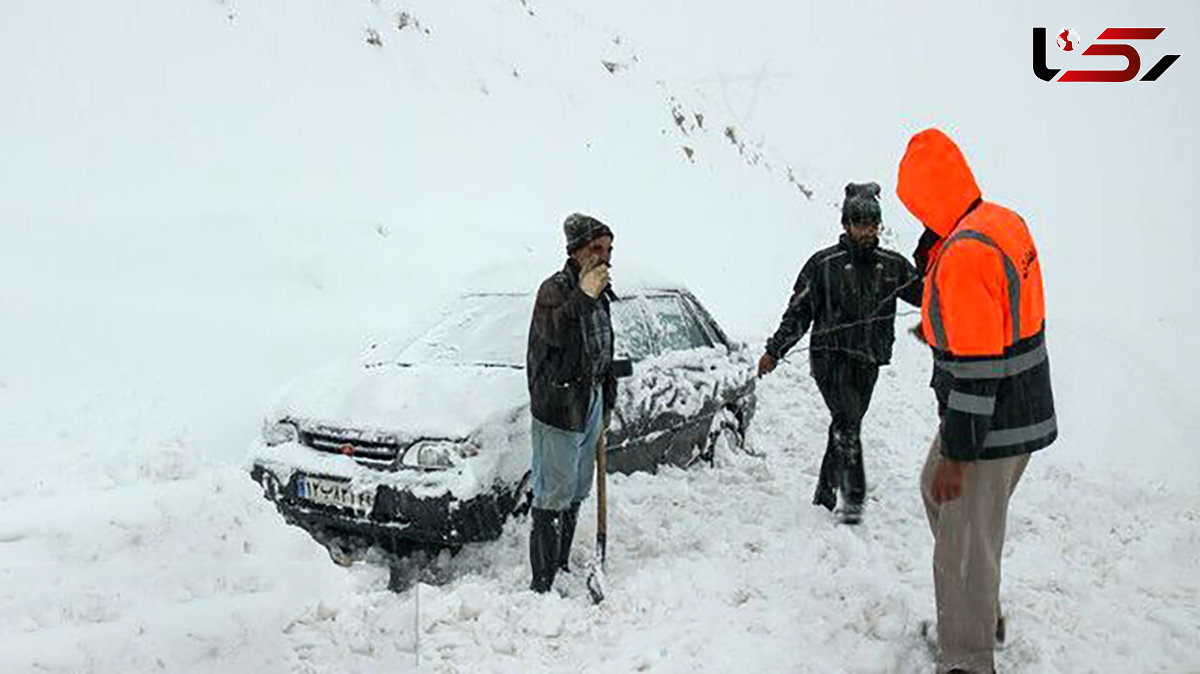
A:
(334, 493)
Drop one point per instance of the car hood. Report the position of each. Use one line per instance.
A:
(410, 401)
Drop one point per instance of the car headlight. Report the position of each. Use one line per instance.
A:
(435, 454)
(279, 432)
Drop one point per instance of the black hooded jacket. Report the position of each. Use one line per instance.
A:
(848, 295)
(557, 364)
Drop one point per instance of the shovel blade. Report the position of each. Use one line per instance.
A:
(595, 584)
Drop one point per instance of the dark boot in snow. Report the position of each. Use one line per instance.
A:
(826, 494)
(569, 517)
(853, 482)
(543, 549)
(851, 513)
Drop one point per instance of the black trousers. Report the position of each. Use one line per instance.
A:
(846, 385)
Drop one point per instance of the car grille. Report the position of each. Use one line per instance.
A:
(367, 451)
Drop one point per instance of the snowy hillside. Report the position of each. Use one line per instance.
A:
(202, 200)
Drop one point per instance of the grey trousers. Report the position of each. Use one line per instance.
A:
(968, 536)
(563, 462)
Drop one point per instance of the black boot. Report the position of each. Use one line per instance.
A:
(826, 494)
(854, 475)
(852, 480)
(569, 517)
(543, 549)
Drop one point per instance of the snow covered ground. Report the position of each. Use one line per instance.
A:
(166, 561)
(201, 200)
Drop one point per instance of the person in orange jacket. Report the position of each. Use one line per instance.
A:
(983, 313)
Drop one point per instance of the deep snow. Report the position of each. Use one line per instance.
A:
(180, 565)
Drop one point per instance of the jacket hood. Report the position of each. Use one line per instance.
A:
(934, 181)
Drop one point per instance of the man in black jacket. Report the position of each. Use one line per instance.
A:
(572, 390)
(847, 292)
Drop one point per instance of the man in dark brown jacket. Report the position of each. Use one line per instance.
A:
(572, 390)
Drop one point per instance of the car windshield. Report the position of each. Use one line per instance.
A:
(677, 328)
(493, 329)
(477, 330)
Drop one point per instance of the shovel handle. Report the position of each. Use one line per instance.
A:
(601, 494)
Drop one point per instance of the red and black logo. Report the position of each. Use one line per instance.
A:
(1068, 41)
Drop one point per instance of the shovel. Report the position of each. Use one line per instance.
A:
(595, 581)
(622, 367)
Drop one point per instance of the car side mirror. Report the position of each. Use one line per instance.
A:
(622, 367)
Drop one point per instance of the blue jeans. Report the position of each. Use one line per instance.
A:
(565, 461)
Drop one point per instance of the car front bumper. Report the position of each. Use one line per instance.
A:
(395, 515)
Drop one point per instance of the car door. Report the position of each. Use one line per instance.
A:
(702, 353)
(734, 391)
(635, 340)
(667, 405)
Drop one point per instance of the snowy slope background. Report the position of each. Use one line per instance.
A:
(202, 200)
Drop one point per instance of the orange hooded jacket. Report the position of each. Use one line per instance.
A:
(983, 310)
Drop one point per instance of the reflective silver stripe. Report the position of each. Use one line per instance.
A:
(971, 404)
(997, 368)
(935, 317)
(1010, 271)
(1017, 436)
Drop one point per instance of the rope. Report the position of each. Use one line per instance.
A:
(869, 319)
(843, 326)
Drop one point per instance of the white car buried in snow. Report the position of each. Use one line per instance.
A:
(425, 444)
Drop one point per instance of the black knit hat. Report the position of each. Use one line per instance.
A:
(861, 204)
(581, 230)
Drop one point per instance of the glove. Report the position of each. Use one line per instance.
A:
(766, 363)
